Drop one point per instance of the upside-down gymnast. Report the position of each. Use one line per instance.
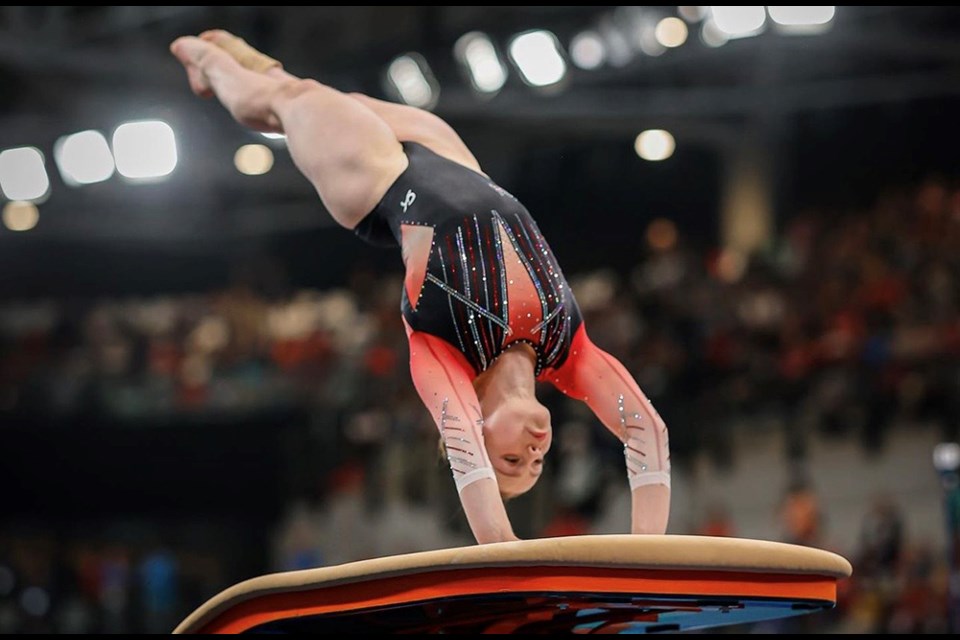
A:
(485, 305)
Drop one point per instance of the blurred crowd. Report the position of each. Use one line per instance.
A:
(848, 319)
(848, 323)
(116, 577)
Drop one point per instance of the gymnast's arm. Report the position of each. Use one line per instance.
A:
(441, 376)
(595, 377)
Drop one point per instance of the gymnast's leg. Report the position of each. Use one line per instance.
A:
(407, 123)
(349, 154)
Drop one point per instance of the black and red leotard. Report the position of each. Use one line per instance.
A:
(479, 278)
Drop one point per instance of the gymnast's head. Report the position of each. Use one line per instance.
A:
(517, 435)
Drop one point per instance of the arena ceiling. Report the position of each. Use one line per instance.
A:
(65, 69)
(93, 52)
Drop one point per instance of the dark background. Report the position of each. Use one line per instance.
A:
(844, 117)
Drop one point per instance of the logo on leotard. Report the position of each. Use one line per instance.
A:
(408, 200)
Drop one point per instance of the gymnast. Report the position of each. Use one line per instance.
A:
(485, 305)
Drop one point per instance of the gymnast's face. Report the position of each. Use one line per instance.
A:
(517, 436)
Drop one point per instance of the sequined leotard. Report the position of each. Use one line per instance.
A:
(479, 274)
(479, 278)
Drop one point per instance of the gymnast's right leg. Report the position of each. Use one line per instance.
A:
(407, 123)
(349, 154)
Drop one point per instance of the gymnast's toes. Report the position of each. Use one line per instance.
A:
(242, 52)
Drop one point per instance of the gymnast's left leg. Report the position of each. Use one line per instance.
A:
(349, 154)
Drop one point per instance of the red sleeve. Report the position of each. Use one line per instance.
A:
(595, 377)
(444, 380)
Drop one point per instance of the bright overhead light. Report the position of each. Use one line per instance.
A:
(22, 174)
(655, 145)
(20, 216)
(671, 32)
(84, 158)
(145, 150)
(477, 53)
(253, 159)
(739, 22)
(587, 50)
(802, 20)
(537, 56)
(411, 79)
(801, 16)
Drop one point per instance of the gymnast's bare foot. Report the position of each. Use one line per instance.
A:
(212, 71)
(239, 50)
(191, 55)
